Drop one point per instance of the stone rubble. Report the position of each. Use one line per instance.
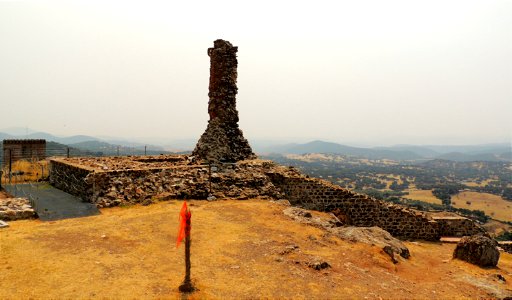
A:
(15, 209)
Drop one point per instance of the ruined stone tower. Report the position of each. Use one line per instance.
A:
(223, 140)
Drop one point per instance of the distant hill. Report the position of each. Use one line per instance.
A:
(461, 157)
(49, 137)
(334, 148)
(61, 140)
(104, 148)
(5, 136)
(420, 150)
(491, 152)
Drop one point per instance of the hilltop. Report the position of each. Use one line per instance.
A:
(240, 249)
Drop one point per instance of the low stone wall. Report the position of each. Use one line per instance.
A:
(506, 246)
(70, 178)
(187, 179)
(358, 210)
(15, 209)
(457, 226)
(114, 187)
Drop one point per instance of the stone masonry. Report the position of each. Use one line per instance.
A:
(223, 140)
(111, 181)
(457, 226)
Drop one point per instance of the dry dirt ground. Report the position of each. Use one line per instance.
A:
(240, 249)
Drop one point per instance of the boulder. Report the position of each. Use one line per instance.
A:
(478, 249)
(374, 236)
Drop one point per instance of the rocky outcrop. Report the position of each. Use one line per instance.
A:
(374, 236)
(223, 140)
(15, 209)
(479, 249)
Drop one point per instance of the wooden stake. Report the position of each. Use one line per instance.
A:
(187, 286)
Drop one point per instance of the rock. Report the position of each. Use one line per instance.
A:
(499, 277)
(319, 265)
(3, 224)
(375, 236)
(478, 249)
(282, 202)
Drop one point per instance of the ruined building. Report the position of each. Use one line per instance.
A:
(223, 140)
(111, 181)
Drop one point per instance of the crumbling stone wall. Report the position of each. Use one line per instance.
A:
(16, 209)
(358, 210)
(457, 226)
(242, 180)
(106, 188)
(223, 140)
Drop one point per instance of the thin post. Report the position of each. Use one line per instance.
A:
(210, 178)
(145, 147)
(10, 165)
(67, 152)
(187, 286)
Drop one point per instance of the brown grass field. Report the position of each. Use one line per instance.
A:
(493, 205)
(240, 250)
(422, 195)
(32, 171)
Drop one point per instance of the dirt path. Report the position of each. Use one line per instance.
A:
(240, 249)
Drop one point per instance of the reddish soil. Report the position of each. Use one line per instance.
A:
(240, 249)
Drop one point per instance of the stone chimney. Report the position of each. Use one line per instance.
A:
(223, 140)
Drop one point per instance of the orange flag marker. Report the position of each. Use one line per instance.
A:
(185, 220)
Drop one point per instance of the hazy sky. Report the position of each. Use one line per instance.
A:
(360, 72)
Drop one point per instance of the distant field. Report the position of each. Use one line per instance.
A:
(474, 183)
(492, 205)
(422, 195)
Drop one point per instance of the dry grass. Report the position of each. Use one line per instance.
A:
(238, 252)
(476, 184)
(492, 205)
(422, 195)
(30, 171)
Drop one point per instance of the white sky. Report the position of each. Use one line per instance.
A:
(360, 72)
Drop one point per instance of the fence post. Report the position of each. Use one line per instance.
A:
(67, 154)
(10, 165)
(145, 147)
